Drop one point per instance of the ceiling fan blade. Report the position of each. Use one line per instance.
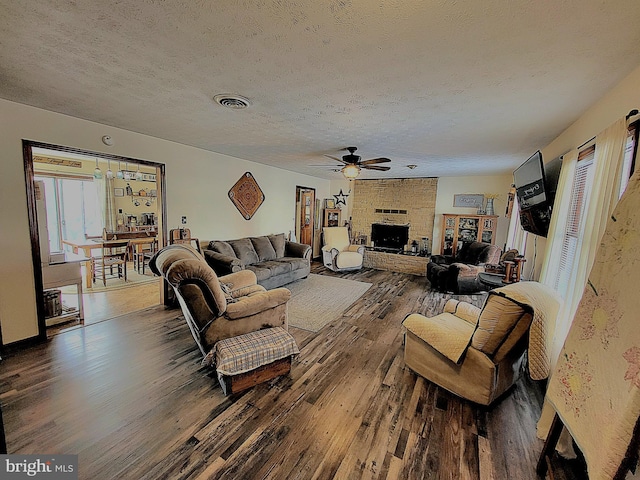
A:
(375, 167)
(326, 166)
(375, 160)
(337, 159)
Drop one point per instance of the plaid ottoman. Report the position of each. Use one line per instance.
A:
(247, 360)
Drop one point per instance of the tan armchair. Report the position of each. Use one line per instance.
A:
(215, 307)
(337, 252)
(477, 353)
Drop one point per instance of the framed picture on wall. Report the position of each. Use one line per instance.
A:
(118, 192)
(329, 203)
(468, 200)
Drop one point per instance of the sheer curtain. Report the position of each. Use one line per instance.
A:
(516, 236)
(600, 202)
(107, 202)
(555, 237)
(602, 198)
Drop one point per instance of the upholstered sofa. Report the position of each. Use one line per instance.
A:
(459, 273)
(217, 308)
(274, 260)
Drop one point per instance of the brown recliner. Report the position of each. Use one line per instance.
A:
(459, 274)
(215, 307)
(477, 353)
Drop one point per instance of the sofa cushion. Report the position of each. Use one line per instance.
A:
(222, 247)
(263, 248)
(278, 242)
(276, 268)
(499, 317)
(244, 250)
(295, 262)
(261, 273)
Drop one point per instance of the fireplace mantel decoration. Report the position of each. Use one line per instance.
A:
(246, 195)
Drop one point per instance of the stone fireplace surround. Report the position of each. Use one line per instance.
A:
(405, 201)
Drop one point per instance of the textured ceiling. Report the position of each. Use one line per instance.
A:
(454, 87)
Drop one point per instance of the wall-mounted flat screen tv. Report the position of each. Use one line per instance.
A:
(536, 187)
(529, 181)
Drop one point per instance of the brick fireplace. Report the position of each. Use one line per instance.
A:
(395, 201)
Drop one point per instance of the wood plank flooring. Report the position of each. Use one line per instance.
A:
(109, 303)
(129, 396)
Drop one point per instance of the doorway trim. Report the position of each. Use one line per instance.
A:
(27, 153)
(297, 230)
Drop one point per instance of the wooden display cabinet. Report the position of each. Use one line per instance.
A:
(331, 217)
(458, 229)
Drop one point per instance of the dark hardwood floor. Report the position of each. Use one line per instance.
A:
(129, 397)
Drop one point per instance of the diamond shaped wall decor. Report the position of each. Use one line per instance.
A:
(246, 195)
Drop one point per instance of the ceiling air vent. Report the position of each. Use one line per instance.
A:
(236, 102)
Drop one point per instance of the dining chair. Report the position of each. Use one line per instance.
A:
(143, 253)
(113, 261)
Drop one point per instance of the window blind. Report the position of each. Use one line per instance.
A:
(571, 236)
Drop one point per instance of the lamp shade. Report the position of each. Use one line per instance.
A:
(97, 173)
(351, 171)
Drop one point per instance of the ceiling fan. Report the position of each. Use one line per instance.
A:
(353, 164)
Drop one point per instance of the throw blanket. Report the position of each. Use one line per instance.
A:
(545, 303)
(247, 352)
(595, 387)
(447, 333)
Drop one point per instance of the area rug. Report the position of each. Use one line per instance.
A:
(133, 278)
(319, 299)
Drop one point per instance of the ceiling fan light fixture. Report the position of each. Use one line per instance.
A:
(235, 102)
(350, 171)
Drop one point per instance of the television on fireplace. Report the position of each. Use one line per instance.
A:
(536, 186)
(393, 237)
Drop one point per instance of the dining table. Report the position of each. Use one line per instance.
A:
(87, 245)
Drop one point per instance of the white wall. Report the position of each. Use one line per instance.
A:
(344, 185)
(449, 186)
(614, 105)
(197, 186)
